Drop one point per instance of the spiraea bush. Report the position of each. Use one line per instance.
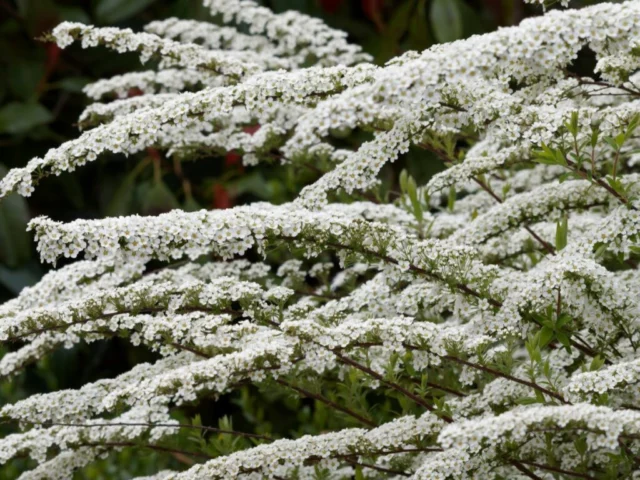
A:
(483, 325)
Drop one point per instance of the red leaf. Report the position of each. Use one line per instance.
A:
(134, 92)
(221, 197)
(251, 129)
(53, 55)
(331, 6)
(373, 10)
(154, 154)
(232, 158)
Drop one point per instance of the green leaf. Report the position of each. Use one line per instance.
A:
(581, 445)
(254, 184)
(15, 280)
(595, 133)
(158, 198)
(451, 201)
(24, 77)
(617, 185)
(18, 117)
(546, 334)
(612, 142)
(404, 176)
(191, 205)
(633, 124)
(545, 155)
(113, 11)
(601, 249)
(418, 30)
(596, 363)
(533, 349)
(563, 338)
(122, 199)
(446, 20)
(15, 242)
(562, 231)
(567, 175)
(72, 84)
(400, 21)
(564, 318)
(572, 125)
(412, 191)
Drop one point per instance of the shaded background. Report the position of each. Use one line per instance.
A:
(41, 99)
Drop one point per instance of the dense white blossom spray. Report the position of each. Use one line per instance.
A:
(484, 325)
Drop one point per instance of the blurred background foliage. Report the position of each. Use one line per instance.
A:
(40, 101)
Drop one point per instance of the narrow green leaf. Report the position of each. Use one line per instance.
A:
(412, 191)
(572, 124)
(595, 134)
(546, 335)
(23, 77)
(596, 363)
(400, 21)
(72, 84)
(418, 29)
(451, 201)
(446, 20)
(564, 318)
(15, 242)
(15, 280)
(581, 445)
(564, 340)
(562, 231)
(404, 176)
(159, 199)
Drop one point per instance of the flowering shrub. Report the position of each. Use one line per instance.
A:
(483, 325)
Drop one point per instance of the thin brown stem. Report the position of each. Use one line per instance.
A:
(150, 447)
(559, 304)
(615, 164)
(378, 468)
(460, 286)
(546, 245)
(435, 385)
(328, 402)
(549, 468)
(394, 386)
(525, 470)
(630, 91)
(446, 389)
(498, 373)
(600, 182)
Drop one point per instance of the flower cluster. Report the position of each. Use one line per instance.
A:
(484, 324)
